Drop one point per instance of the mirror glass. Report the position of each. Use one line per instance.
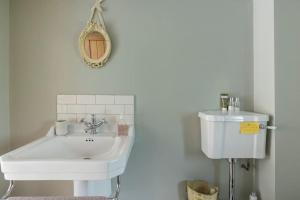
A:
(94, 45)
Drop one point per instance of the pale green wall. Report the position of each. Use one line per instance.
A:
(176, 57)
(287, 99)
(4, 80)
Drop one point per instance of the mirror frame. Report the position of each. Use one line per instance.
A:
(94, 27)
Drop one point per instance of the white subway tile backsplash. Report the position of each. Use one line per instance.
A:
(76, 109)
(115, 109)
(61, 109)
(129, 119)
(105, 99)
(129, 109)
(124, 99)
(95, 109)
(69, 117)
(66, 99)
(86, 99)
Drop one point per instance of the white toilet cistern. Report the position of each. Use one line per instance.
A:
(232, 134)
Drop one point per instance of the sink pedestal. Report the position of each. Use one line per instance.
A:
(92, 188)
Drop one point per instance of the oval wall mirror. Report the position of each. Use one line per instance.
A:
(94, 41)
(94, 45)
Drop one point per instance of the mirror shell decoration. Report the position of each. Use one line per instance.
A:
(95, 26)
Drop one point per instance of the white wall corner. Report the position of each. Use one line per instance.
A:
(264, 88)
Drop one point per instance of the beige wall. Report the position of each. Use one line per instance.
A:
(176, 57)
(4, 81)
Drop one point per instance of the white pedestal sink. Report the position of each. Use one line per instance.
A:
(91, 161)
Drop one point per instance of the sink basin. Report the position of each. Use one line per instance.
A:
(72, 157)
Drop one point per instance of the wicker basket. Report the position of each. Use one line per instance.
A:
(201, 190)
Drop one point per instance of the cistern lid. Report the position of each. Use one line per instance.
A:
(241, 116)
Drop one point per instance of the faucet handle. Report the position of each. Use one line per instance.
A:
(86, 123)
(101, 122)
(82, 120)
(85, 119)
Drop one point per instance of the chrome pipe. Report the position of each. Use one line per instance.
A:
(9, 190)
(231, 179)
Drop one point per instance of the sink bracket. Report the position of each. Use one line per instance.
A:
(117, 193)
(9, 190)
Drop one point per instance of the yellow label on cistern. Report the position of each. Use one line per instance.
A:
(249, 128)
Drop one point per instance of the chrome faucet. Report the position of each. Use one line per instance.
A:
(93, 125)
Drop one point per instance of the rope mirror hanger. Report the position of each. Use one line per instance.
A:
(97, 9)
(94, 41)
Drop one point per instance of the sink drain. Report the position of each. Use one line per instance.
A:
(87, 158)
